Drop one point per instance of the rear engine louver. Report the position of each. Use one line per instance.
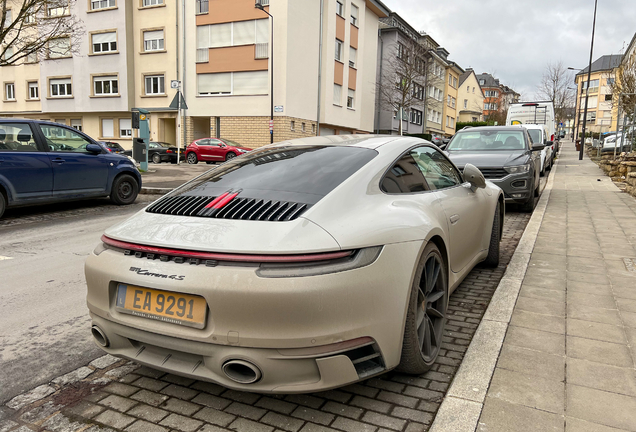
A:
(237, 208)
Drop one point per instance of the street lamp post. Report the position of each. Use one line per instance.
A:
(576, 105)
(587, 89)
(258, 5)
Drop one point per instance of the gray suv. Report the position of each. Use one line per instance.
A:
(505, 155)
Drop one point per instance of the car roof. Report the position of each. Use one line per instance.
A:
(489, 128)
(19, 119)
(533, 126)
(355, 140)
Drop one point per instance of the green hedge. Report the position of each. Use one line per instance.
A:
(461, 125)
(426, 137)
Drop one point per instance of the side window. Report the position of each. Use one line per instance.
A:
(404, 177)
(59, 138)
(153, 145)
(203, 142)
(16, 137)
(438, 171)
(214, 142)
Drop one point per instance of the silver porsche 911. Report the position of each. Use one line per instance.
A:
(301, 266)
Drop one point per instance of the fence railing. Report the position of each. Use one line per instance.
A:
(261, 51)
(203, 55)
(202, 7)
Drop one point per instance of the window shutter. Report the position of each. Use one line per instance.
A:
(220, 35)
(250, 83)
(203, 36)
(262, 31)
(337, 94)
(243, 33)
(214, 83)
(104, 37)
(153, 35)
(125, 123)
(60, 81)
(108, 128)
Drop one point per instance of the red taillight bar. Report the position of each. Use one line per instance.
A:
(227, 256)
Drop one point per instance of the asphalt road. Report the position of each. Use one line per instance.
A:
(44, 324)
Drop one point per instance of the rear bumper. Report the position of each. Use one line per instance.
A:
(274, 323)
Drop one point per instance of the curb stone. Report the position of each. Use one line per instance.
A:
(154, 191)
(462, 406)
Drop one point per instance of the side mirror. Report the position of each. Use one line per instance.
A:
(473, 176)
(94, 148)
(537, 147)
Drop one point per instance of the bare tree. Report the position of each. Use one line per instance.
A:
(554, 88)
(38, 28)
(623, 87)
(402, 85)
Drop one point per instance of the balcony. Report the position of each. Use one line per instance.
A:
(203, 55)
(261, 51)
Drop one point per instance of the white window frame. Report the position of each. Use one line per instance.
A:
(161, 82)
(149, 3)
(161, 43)
(33, 85)
(109, 45)
(351, 99)
(59, 55)
(355, 12)
(111, 79)
(99, 3)
(125, 132)
(57, 10)
(339, 8)
(75, 125)
(353, 57)
(64, 83)
(9, 91)
(338, 50)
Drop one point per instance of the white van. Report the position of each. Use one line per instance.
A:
(523, 113)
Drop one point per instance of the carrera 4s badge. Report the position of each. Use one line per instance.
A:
(144, 272)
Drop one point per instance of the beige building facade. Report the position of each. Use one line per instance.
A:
(453, 71)
(470, 98)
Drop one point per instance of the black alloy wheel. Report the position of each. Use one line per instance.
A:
(229, 156)
(156, 158)
(426, 317)
(124, 190)
(192, 158)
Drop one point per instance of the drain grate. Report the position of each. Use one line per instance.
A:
(630, 264)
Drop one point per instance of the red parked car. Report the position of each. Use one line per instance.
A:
(212, 150)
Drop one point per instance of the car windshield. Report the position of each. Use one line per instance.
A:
(289, 173)
(535, 135)
(487, 140)
(166, 145)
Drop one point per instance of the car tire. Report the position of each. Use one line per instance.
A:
(492, 260)
(3, 204)
(124, 190)
(229, 156)
(528, 206)
(192, 158)
(156, 158)
(537, 190)
(424, 326)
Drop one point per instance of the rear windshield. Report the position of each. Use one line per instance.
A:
(301, 174)
(487, 140)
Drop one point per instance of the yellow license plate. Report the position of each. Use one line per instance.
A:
(171, 307)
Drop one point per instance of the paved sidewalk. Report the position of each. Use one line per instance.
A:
(568, 361)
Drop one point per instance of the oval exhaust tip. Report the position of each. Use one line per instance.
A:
(99, 336)
(241, 371)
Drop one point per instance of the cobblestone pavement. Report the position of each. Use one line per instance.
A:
(112, 394)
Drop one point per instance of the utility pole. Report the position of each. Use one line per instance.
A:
(587, 89)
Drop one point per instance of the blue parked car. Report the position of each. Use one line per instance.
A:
(43, 162)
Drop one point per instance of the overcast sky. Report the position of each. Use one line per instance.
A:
(515, 39)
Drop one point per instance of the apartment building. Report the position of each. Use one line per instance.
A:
(497, 97)
(470, 97)
(323, 76)
(453, 72)
(601, 116)
(322, 71)
(123, 61)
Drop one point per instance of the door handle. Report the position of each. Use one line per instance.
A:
(454, 218)
(58, 160)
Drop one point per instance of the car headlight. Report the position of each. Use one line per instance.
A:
(516, 169)
(242, 151)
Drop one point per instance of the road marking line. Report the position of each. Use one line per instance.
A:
(5, 258)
